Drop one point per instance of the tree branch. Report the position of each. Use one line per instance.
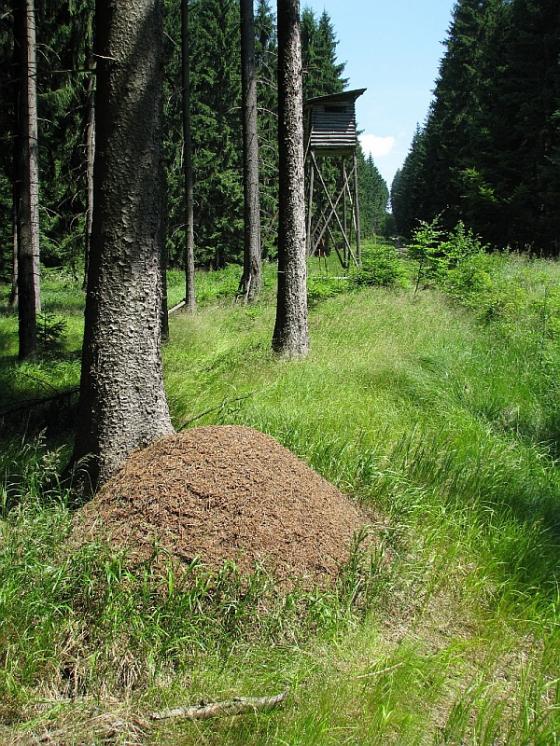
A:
(237, 706)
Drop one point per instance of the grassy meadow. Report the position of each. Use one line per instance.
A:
(431, 398)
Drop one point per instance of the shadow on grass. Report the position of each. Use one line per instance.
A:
(60, 308)
(38, 395)
(6, 344)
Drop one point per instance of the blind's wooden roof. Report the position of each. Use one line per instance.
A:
(335, 98)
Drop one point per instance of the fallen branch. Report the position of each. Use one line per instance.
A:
(237, 706)
(177, 307)
(219, 408)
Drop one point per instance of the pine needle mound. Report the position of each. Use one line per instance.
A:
(226, 493)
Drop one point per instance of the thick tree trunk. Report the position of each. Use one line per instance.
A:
(90, 157)
(290, 333)
(27, 178)
(122, 401)
(251, 280)
(190, 295)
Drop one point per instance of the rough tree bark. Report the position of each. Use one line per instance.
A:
(90, 158)
(190, 295)
(164, 309)
(251, 280)
(122, 401)
(26, 168)
(290, 333)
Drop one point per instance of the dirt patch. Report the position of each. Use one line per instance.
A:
(226, 493)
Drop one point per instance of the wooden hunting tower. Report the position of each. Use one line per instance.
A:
(333, 211)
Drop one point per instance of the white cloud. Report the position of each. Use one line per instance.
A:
(377, 146)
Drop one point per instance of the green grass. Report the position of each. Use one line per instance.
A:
(441, 417)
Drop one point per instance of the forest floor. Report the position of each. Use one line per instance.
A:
(441, 415)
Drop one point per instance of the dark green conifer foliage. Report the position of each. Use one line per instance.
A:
(216, 132)
(489, 152)
(65, 37)
(322, 73)
(374, 196)
(216, 126)
(7, 127)
(407, 191)
(452, 136)
(266, 55)
(527, 174)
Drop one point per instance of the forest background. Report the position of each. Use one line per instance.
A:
(488, 152)
(64, 43)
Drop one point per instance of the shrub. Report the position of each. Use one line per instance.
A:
(319, 289)
(447, 258)
(426, 240)
(470, 278)
(382, 266)
(51, 330)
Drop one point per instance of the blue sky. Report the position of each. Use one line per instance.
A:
(393, 49)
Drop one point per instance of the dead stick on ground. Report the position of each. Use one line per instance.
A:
(219, 408)
(237, 706)
(177, 307)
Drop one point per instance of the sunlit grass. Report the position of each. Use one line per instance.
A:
(444, 426)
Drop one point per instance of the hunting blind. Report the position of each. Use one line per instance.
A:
(333, 205)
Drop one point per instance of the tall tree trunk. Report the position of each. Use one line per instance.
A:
(13, 299)
(190, 295)
(164, 311)
(122, 401)
(27, 178)
(251, 280)
(290, 333)
(90, 157)
(17, 72)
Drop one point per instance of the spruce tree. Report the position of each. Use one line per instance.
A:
(216, 123)
(266, 57)
(374, 196)
(122, 401)
(252, 253)
(408, 189)
(452, 138)
(189, 263)
(322, 72)
(9, 84)
(26, 172)
(290, 337)
(527, 125)
(215, 94)
(489, 151)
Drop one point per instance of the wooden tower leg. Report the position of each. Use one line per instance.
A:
(345, 213)
(357, 209)
(309, 237)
